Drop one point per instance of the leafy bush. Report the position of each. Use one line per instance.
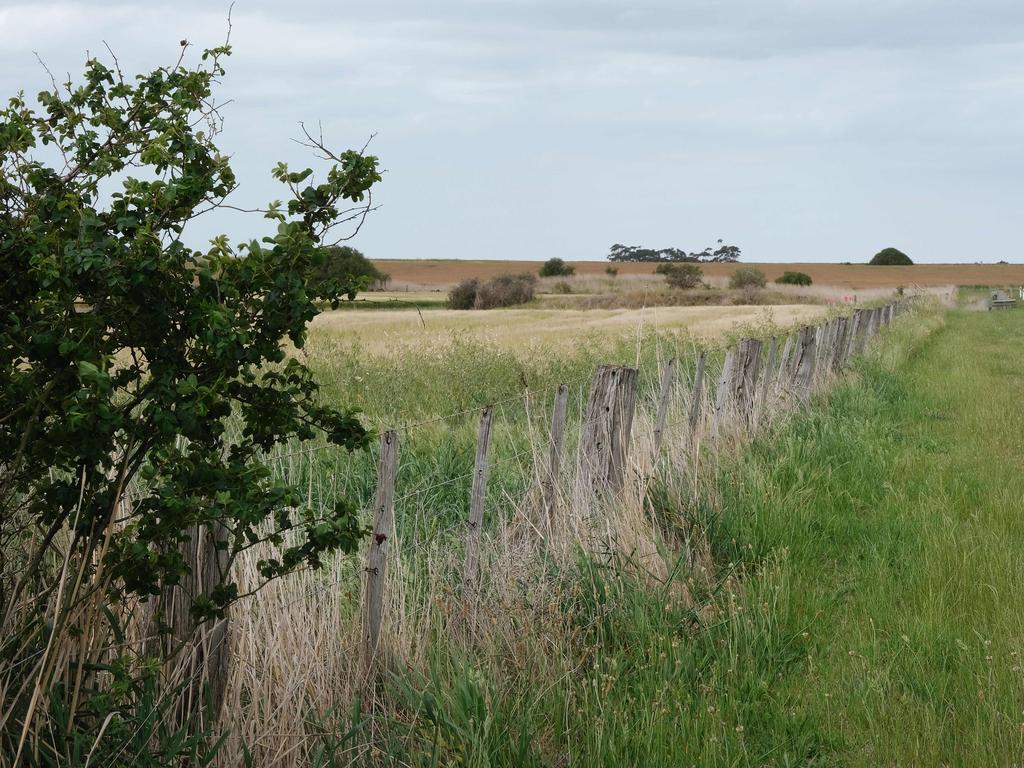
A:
(555, 267)
(611, 271)
(463, 295)
(506, 291)
(748, 277)
(794, 278)
(891, 257)
(343, 271)
(681, 275)
(124, 353)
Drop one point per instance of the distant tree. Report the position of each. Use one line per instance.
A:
(794, 278)
(681, 275)
(891, 257)
(723, 253)
(748, 277)
(344, 271)
(555, 267)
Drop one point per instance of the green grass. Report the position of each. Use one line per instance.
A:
(877, 619)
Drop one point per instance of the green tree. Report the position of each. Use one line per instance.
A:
(123, 353)
(556, 267)
(681, 275)
(344, 271)
(890, 257)
(794, 278)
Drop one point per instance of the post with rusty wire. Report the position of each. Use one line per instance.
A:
(667, 377)
(551, 480)
(767, 376)
(478, 495)
(697, 398)
(376, 556)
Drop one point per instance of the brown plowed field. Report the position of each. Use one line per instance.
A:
(441, 272)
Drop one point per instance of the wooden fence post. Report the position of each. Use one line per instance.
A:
(806, 352)
(198, 651)
(549, 485)
(838, 352)
(666, 391)
(782, 376)
(767, 378)
(722, 394)
(697, 397)
(607, 426)
(851, 337)
(478, 495)
(376, 556)
(743, 390)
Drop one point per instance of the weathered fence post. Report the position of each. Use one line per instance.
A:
(722, 394)
(838, 352)
(863, 330)
(607, 426)
(782, 376)
(805, 359)
(663, 400)
(766, 381)
(376, 556)
(851, 337)
(478, 495)
(697, 397)
(743, 390)
(549, 484)
(198, 652)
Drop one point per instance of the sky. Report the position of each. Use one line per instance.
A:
(799, 130)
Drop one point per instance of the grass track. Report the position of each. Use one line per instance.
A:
(904, 522)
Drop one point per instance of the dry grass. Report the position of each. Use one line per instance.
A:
(432, 273)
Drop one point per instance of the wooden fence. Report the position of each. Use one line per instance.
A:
(758, 377)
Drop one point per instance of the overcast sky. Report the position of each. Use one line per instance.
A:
(810, 130)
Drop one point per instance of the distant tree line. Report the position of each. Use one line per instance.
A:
(721, 253)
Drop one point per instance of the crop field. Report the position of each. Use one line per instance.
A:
(443, 273)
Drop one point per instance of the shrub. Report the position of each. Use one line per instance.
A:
(463, 295)
(794, 278)
(505, 291)
(611, 271)
(681, 275)
(748, 277)
(343, 271)
(890, 257)
(555, 267)
(562, 287)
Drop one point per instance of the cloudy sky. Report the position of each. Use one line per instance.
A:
(800, 130)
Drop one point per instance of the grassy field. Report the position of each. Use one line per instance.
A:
(843, 593)
(440, 272)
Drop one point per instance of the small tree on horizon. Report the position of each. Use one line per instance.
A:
(891, 257)
(748, 277)
(556, 267)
